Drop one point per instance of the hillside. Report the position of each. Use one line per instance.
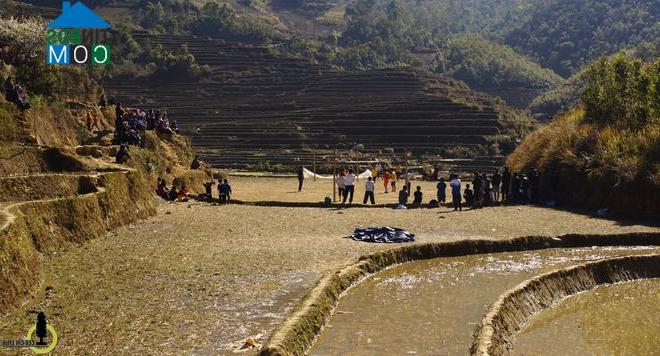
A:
(258, 109)
(61, 182)
(565, 35)
(559, 36)
(513, 49)
(495, 69)
(566, 95)
(604, 154)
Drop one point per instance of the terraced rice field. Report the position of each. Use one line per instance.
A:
(256, 107)
(201, 279)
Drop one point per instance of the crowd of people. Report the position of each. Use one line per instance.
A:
(487, 190)
(131, 124)
(14, 93)
(483, 190)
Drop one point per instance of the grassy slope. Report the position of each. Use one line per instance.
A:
(591, 166)
(53, 210)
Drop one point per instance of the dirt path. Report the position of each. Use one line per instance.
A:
(196, 278)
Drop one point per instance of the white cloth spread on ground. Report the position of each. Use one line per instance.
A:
(382, 235)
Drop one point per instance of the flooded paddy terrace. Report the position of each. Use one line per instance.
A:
(433, 306)
(615, 319)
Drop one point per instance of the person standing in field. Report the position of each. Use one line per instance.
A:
(224, 191)
(488, 197)
(394, 181)
(534, 182)
(496, 180)
(407, 177)
(349, 186)
(478, 194)
(340, 183)
(301, 178)
(524, 188)
(469, 195)
(208, 186)
(455, 185)
(386, 180)
(369, 188)
(442, 191)
(506, 184)
(515, 188)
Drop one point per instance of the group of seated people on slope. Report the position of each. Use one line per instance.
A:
(181, 194)
(171, 194)
(131, 124)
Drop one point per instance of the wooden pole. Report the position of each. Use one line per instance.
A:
(314, 155)
(334, 177)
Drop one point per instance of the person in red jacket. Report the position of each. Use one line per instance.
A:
(386, 180)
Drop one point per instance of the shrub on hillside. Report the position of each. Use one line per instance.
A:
(607, 152)
(210, 20)
(623, 92)
(177, 63)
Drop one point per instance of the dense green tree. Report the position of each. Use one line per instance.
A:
(623, 92)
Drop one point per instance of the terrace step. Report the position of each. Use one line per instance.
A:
(257, 106)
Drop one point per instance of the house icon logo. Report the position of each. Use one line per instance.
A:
(78, 16)
(77, 36)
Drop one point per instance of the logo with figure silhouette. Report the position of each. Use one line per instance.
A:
(44, 334)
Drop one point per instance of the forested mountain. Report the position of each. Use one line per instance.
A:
(566, 95)
(510, 45)
(499, 43)
(564, 35)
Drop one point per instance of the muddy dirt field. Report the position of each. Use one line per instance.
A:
(200, 279)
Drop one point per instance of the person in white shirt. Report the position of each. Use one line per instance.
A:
(408, 177)
(369, 191)
(349, 186)
(340, 184)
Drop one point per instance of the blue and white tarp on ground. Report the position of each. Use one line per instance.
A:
(382, 235)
